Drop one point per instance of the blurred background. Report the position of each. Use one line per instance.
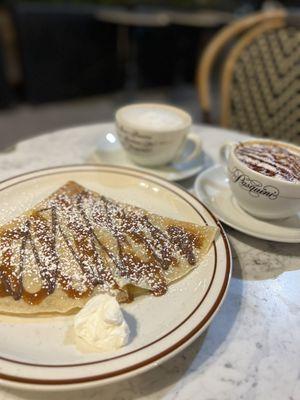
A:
(66, 63)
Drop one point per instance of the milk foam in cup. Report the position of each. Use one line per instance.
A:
(155, 134)
(264, 176)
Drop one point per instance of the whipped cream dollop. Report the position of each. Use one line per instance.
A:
(101, 323)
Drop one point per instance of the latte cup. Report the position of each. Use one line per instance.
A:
(155, 134)
(262, 196)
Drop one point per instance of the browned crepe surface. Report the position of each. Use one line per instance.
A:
(77, 243)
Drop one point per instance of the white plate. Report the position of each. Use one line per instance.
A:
(110, 152)
(37, 353)
(212, 187)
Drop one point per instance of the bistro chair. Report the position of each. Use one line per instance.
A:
(259, 87)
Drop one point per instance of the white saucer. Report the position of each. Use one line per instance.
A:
(211, 186)
(110, 152)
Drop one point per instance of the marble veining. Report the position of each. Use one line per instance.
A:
(251, 349)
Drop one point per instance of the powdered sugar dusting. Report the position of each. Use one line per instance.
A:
(78, 240)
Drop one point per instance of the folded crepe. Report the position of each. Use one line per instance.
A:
(78, 243)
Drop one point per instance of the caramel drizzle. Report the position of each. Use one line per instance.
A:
(10, 282)
(87, 249)
(130, 266)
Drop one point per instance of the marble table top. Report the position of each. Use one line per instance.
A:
(250, 351)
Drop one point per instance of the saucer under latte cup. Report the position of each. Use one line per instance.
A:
(267, 197)
(155, 134)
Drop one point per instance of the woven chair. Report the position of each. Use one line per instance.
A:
(260, 80)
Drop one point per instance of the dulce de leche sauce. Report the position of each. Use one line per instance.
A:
(270, 159)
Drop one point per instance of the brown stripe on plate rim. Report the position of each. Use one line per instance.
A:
(178, 344)
(149, 344)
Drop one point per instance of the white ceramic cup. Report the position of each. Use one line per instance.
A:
(155, 134)
(260, 195)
